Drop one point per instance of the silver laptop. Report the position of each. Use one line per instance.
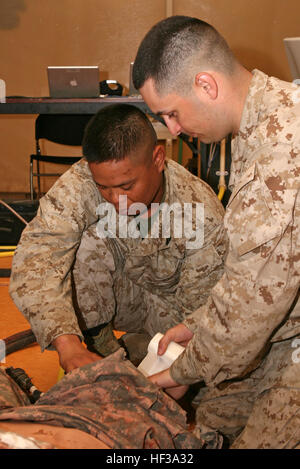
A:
(292, 48)
(73, 82)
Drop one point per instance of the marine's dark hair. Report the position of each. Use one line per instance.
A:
(115, 132)
(173, 47)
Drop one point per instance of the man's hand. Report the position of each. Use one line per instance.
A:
(72, 354)
(164, 380)
(180, 334)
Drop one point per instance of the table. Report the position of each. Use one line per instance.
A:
(20, 105)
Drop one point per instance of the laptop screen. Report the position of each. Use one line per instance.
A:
(292, 48)
(73, 81)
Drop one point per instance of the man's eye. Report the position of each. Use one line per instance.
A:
(172, 115)
(127, 188)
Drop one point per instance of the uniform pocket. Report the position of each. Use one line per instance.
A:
(248, 220)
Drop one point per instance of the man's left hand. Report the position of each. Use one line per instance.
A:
(164, 380)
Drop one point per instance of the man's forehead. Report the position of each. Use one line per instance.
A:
(109, 174)
(157, 103)
(113, 169)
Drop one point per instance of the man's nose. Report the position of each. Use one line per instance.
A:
(173, 126)
(118, 199)
(113, 197)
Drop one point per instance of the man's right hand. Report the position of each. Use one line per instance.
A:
(72, 354)
(180, 334)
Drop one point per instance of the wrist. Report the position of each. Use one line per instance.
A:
(191, 323)
(66, 341)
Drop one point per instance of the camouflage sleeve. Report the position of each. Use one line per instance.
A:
(204, 244)
(252, 300)
(41, 281)
(202, 268)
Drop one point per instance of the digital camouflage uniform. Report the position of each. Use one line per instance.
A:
(109, 399)
(142, 284)
(247, 332)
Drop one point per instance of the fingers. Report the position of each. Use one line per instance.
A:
(180, 334)
(164, 341)
(78, 360)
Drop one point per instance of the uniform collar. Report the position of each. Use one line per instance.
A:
(249, 122)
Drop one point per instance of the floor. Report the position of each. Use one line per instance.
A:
(43, 368)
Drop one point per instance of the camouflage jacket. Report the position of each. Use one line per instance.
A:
(255, 302)
(41, 274)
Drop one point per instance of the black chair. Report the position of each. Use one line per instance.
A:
(64, 129)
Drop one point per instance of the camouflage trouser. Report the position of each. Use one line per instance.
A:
(260, 411)
(10, 393)
(104, 293)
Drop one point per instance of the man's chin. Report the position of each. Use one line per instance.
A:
(202, 138)
(207, 140)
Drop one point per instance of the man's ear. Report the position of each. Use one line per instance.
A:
(159, 157)
(205, 83)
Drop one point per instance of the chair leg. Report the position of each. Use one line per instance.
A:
(38, 178)
(31, 179)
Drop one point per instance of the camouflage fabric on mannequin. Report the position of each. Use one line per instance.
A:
(111, 400)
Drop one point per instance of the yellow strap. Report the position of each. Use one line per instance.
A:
(61, 374)
(221, 193)
(7, 254)
(222, 172)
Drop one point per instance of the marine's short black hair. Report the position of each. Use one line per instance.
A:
(173, 47)
(115, 132)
